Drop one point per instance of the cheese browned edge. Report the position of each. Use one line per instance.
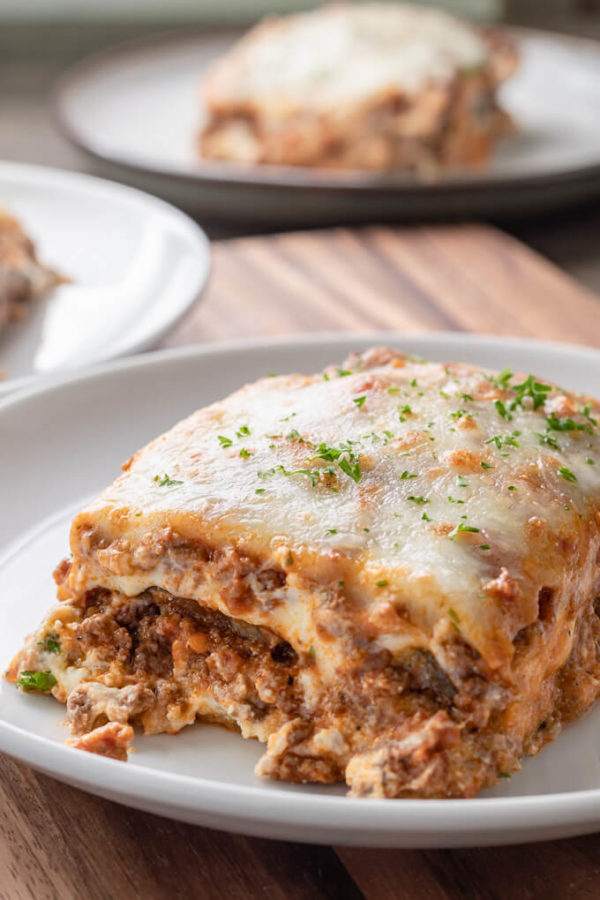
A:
(373, 87)
(388, 572)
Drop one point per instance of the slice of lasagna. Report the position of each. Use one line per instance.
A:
(23, 278)
(388, 572)
(372, 86)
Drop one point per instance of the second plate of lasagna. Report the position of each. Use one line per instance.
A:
(377, 562)
(349, 112)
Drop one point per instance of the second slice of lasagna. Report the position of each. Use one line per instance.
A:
(388, 572)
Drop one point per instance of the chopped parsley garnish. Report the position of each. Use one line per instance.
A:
(548, 440)
(504, 440)
(351, 469)
(344, 456)
(242, 431)
(404, 411)
(590, 461)
(466, 397)
(567, 474)
(461, 528)
(359, 401)
(503, 379)
(458, 414)
(503, 774)
(37, 681)
(486, 465)
(511, 487)
(289, 560)
(294, 435)
(502, 410)
(406, 475)
(245, 454)
(50, 644)
(585, 411)
(224, 441)
(312, 652)
(165, 481)
(342, 373)
(260, 491)
(418, 500)
(461, 481)
(453, 616)
(454, 500)
(530, 388)
(566, 424)
(331, 531)
(383, 583)
(484, 546)
(426, 518)
(414, 382)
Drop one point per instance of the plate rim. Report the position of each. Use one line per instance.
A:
(295, 179)
(391, 821)
(55, 178)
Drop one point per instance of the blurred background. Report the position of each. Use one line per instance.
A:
(39, 39)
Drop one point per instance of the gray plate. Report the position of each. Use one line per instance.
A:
(136, 109)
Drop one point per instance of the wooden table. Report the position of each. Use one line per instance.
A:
(57, 843)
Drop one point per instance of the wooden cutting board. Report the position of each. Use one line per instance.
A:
(59, 843)
(457, 278)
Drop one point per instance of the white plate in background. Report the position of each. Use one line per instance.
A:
(136, 108)
(204, 775)
(135, 265)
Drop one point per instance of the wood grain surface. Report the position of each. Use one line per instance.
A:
(57, 843)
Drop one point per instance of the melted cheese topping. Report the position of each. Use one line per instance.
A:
(349, 52)
(422, 493)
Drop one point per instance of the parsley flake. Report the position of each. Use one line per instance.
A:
(383, 583)
(502, 410)
(566, 424)
(567, 474)
(165, 481)
(224, 441)
(36, 681)
(406, 475)
(50, 644)
(461, 528)
(418, 500)
(359, 401)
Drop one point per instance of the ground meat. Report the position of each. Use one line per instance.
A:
(91, 701)
(414, 761)
(112, 740)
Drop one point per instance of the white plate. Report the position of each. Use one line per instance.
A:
(204, 775)
(136, 107)
(136, 266)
